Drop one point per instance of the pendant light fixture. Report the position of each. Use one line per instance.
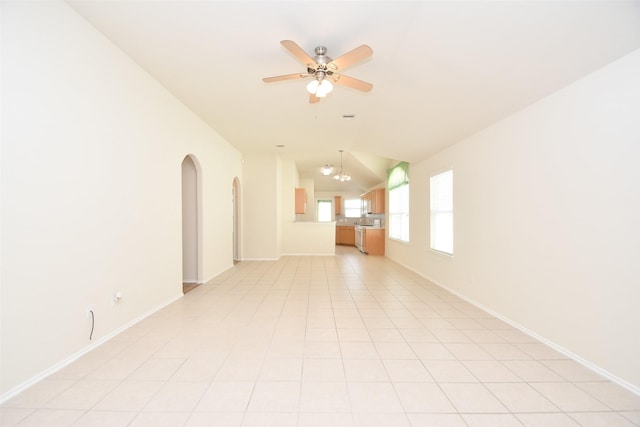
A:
(326, 170)
(342, 176)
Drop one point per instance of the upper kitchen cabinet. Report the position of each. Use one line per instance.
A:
(373, 202)
(301, 201)
(338, 205)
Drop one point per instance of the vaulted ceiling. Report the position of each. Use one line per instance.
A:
(441, 70)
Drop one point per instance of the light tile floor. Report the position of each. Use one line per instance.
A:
(349, 340)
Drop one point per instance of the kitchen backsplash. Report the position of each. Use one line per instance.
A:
(364, 219)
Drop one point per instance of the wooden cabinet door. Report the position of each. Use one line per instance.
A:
(338, 205)
(366, 203)
(345, 235)
(349, 236)
(373, 241)
(373, 201)
(377, 205)
(301, 201)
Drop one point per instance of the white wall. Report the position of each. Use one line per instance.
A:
(260, 210)
(290, 180)
(547, 211)
(91, 200)
(309, 238)
(269, 221)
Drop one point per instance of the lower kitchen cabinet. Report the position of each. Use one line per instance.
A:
(345, 235)
(373, 241)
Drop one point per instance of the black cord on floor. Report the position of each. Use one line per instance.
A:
(93, 322)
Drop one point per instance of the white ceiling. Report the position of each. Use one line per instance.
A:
(441, 70)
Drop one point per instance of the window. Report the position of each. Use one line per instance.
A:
(324, 210)
(352, 208)
(442, 212)
(398, 186)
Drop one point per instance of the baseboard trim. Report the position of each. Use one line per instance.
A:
(67, 361)
(281, 255)
(587, 364)
(217, 274)
(327, 254)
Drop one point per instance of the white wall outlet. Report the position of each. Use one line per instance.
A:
(116, 297)
(89, 310)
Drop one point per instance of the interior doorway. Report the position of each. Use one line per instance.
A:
(191, 254)
(235, 197)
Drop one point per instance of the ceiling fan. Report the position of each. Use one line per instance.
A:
(324, 70)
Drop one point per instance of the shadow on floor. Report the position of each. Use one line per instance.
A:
(186, 287)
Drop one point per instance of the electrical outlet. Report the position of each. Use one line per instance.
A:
(89, 310)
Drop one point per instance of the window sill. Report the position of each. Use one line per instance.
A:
(441, 254)
(404, 242)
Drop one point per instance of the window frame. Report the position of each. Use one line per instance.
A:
(324, 201)
(358, 210)
(441, 207)
(399, 212)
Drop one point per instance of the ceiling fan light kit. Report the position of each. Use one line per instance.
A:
(324, 69)
(319, 88)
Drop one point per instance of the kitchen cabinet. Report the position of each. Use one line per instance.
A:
(373, 241)
(338, 205)
(366, 203)
(301, 201)
(377, 201)
(373, 202)
(345, 235)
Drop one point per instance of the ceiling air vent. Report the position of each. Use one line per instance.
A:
(348, 116)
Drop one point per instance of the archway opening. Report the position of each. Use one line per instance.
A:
(190, 226)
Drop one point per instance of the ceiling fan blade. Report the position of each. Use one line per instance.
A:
(351, 57)
(347, 81)
(313, 99)
(299, 53)
(285, 77)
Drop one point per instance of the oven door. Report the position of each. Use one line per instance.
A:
(359, 232)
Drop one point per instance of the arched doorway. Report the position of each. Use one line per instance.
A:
(191, 253)
(235, 195)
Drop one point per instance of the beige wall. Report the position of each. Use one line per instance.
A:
(546, 203)
(271, 228)
(261, 207)
(301, 235)
(309, 238)
(91, 194)
(547, 206)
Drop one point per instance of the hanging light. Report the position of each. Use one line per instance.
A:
(326, 170)
(342, 176)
